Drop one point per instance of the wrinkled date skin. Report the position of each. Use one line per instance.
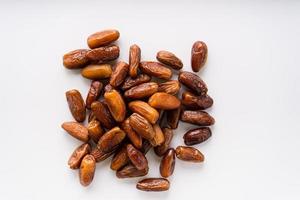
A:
(76, 105)
(193, 81)
(95, 130)
(111, 139)
(159, 137)
(76, 130)
(156, 69)
(134, 60)
(119, 74)
(116, 105)
(103, 114)
(93, 72)
(173, 117)
(162, 149)
(141, 126)
(103, 54)
(131, 82)
(200, 118)
(91, 117)
(153, 184)
(100, 155)
(77, 155)
(164, 101)
(197, 136)
(120, 159)
(195, 102)
(199, 55)
(145, 110)
(136, 157)
(130, 171)
(76, 59)
(167, 163)
(134, 137)
(87, 170)
(94, 93)
(102, 38)
(169, 59)
(189, 154)
(170, 87)
(141, 91)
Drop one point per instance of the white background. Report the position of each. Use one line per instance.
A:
(252, 73)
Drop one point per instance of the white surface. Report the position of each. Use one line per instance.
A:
(252, 73)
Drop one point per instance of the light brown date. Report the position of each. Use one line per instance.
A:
(76, 130)
(76, 59)
(131, 82)
(94, 93)
(145, 110)
(169, 59)
(134, 60)
(111, 139)
(103, 114)
(116, 105)
(102, 38)
(141, 91)
(156, 69)
(97, 71)
(164, 101)
(76, 105)
(77, 155)
(190, 154)
(136, 157)
(87, 170)
(119, 74)
(141, 126)
(171, 87)
(134, 137)
(167, 163)
(153, 184)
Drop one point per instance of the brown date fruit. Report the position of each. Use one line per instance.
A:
(167, 163)
(119, 74)
(173, 117)
(145, 110)
(171, 87)
(102, 38)
(164, 101)
(141, 91)
(95, 130)
(104, 54)
(195, 102)
(134, 137)
(155, 69)
(120, 159)
(169, 59)
(196, 136)
(87, 170)
(162, 149)
(76, 59)
(77, 155)
(97, 71)
(199, 55)
(193, 81)
(116, 105)
(76, 105)
(103, 114)
(136, 157)
(189, 154)
(198, 117)
(130, 171)
(76, 130)
(134, 60)
(141, 126)
(94, 93)
(111, 139)
(131, 82)
(153, 184)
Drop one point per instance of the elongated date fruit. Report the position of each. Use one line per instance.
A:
(136, 157)
(197, 136)
(196, 102)
(189, 154)
(76, 130)
(134, 137)
(156, 69)
(145, 110)
(102, 38)
(169, 59)
(77, 155)
(153, 184)
(103, 54)
(120, 159)
(94, 93)
(198, 117)
(111, 139)
(130, 171)
(164, 101)
(141, 126)
(103, 115)
(97, 71)
(199, 55)
(100, 155)
(119, 74)
(167, 163)
(95, 130)
(159, 137)
(171, 87)
(193, 81)
(134, 60)
(141, 91)
(87, 170)
(116, 105)
(131, 82)
(76, 59)
(76, 105)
